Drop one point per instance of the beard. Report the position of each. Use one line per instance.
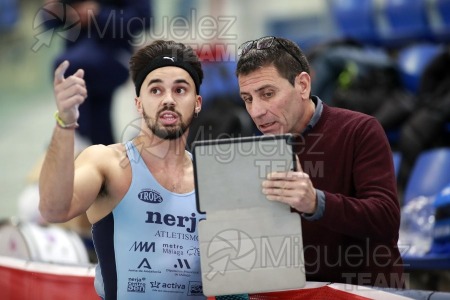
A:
(171, 132)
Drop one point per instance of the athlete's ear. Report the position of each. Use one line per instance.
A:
(198, 104)
(138, 104)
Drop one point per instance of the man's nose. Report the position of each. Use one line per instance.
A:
(169, 100)
(257, 109)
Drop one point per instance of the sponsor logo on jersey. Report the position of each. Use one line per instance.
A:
(167, 285)
(143, 266)
(150, 196)
(136, 285)
(143, 247)
(195, 288)
(173, 249)
(182, 264)
(155, 284)
(193, 251)
(183, 267)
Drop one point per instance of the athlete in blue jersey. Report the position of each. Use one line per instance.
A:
(138, 196)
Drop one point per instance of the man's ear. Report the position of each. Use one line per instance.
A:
(198, 104)
(303, 82)
(138, 104)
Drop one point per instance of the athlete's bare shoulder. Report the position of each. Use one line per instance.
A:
(112, 165)
(100, 153)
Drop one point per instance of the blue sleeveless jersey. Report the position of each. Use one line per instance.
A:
(147, 247)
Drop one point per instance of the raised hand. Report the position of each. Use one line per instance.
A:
(69, 92)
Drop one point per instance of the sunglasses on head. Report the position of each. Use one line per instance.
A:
(264, 43)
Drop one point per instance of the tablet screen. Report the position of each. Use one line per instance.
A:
(229, 172)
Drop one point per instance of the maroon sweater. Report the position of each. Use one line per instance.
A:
(347, 156)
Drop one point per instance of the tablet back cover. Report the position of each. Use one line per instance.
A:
(248, 244)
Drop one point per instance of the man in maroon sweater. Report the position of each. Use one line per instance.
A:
(344, 188)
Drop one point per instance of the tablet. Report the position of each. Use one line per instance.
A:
(229, 172)
(248, 244)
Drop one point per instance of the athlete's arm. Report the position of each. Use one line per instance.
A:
(59, 200)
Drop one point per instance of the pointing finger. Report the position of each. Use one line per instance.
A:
(59, 72)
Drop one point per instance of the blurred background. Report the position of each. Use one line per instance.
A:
(27, 104)
(387, 58)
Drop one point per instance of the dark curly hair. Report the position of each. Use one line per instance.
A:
(145, 55)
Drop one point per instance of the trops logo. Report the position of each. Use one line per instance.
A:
(150, 196)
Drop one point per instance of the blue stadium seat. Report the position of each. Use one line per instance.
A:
(439, 15)
(397, 158)
(355, 19)
(219, 81)
(438, 257)
(412, 61)
(307, 31)
(430, 174)
(403, 22)
(430, 177)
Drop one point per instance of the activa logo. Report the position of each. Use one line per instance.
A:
(167, 285)
(174, 285)
(150, 196)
